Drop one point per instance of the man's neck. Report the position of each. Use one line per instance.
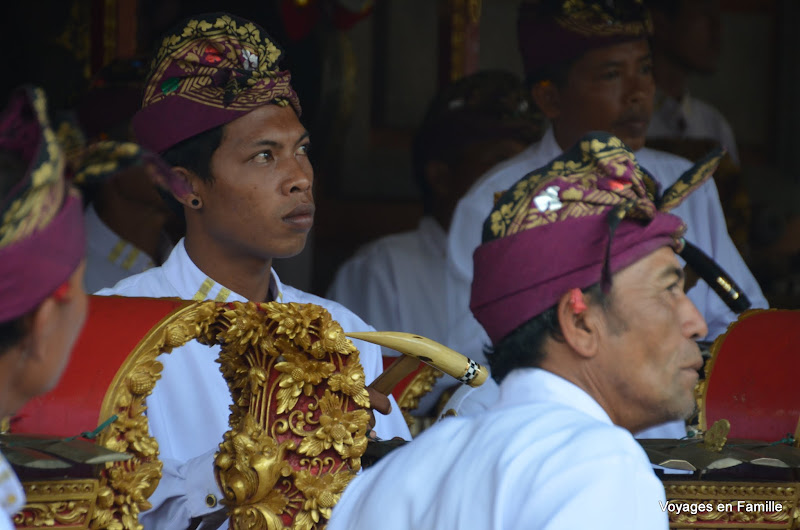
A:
(243, 274)
(671, 78)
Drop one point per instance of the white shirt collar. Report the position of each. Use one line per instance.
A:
(548, 147)
(193, 284)
(530, 385)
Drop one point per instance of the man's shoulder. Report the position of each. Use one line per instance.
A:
(506, 173)
(665, 167)
(400, 243)
(150, 283)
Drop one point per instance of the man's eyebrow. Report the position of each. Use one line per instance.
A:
(672, 271)
(272, 143)
(611, 63)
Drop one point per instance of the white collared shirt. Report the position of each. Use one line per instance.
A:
(396, 283)
(701, 211)
(188, 409)
(110, 258)
(545, 456)
(689, 117)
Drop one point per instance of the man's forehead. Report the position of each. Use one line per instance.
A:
(269, 124)
(637, 50)
(661, 264)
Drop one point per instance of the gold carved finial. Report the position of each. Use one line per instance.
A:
(714, 439)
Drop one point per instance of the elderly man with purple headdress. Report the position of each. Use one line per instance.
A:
(573, 255)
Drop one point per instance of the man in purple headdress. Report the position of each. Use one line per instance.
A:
(590, 68)
(42, 245)
(573, 255)
(225, 117)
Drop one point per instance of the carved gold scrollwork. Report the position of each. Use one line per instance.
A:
(734, 504)
(298, 428)
(126, 486)
(49, 514)
(298, 424)
(55, 504)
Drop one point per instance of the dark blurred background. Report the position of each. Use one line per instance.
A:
(365, 71)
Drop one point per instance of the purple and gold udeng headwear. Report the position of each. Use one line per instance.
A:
(589, 213)
(210, 70)
(42, 237)
(550, 32)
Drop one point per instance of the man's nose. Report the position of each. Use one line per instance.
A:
(693, 324)
(298, 178)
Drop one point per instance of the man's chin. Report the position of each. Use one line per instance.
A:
(634, 143)
(290, 251)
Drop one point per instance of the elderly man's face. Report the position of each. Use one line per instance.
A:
(608, 89)
(651, 359)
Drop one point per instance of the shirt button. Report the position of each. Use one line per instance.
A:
(211, 500)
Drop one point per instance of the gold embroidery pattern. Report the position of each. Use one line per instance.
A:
(579, 192)
(594, 20)
(233, 42)
(42, 199)
(690, 181)
(277, 469)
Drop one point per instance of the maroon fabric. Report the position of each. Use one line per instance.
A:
(210, 70)
(548, 35)
(160, 126)
(518, 277)
(168, 122)
(32, 268)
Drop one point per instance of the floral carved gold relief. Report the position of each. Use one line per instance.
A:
(298, 420)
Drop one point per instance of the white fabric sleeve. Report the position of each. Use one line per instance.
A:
(182, 492)
(363, 284)
(718, 315)
(5, 522)
(464, 333)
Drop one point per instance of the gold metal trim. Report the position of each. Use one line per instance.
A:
(760, 498)
(68, 504)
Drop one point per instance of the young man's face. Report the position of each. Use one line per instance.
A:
(260, 204)
(651, 358)
(608, 89)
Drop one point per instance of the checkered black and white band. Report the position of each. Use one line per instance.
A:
(472, 370)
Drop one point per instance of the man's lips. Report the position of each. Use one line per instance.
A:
(301, 217)
(695, 367)
(634, 123)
